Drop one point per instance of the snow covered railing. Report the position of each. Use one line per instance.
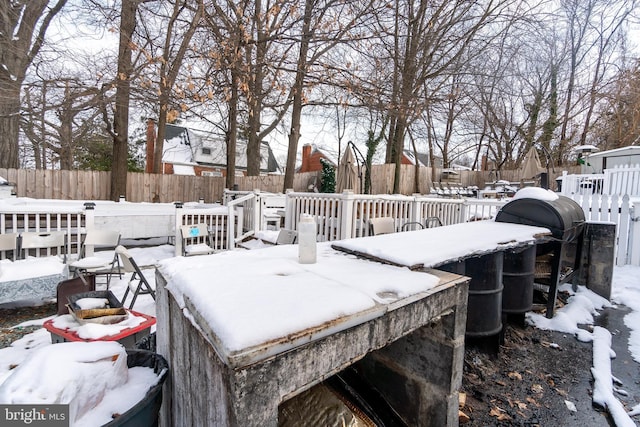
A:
(619, 180)
(71, 217)
(582, 184)
(224, 224)
(346, 215)
(258, 210)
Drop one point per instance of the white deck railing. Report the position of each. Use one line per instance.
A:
(620, 180)
(70, 218)
(339, 216)
(347, 215)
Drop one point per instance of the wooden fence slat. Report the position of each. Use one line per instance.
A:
(141, 187)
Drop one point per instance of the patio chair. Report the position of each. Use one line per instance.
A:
(138, 284)
(99, 239)
(196, 240)
(432, 221)
(43, 243)
(9, 243)
(286, 237)
(382, 225)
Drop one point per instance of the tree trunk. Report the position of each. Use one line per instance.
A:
(9, 123)
(298, 94)
(121, 109)
(232, 133)
(255, 95)
(17, 53)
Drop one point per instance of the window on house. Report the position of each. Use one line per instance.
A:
(206, 150)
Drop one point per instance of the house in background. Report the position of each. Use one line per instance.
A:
(599, 161)
(408, 158)
(191, 152)
(311, 159)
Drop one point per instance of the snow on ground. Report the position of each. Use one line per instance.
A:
(581, 308)
(116, 398)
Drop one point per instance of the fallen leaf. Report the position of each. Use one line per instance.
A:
(463, 418)
(502, 383)
(462, 399)
(515, 376)
(537, 388)
(521, 405)
(495, 412)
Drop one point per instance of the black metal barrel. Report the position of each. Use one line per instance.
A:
(484, 310)
(518, 275)
(562, 216)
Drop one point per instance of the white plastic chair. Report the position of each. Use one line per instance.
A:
(43, 243)
(196, 240)
(100, 239)
(382, 225)
(9, 243)
(286, 237)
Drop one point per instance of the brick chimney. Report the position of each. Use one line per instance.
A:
(306, 158)
(151, 144)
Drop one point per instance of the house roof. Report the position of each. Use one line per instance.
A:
(623, 151)
(193, 147)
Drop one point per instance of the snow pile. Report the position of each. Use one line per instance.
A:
(252, 297)
(94, 331)
(75, 373)
(603, 379)
(627, 292)
(92, 303)
(30, 268)
(536, 193)
(581, 308)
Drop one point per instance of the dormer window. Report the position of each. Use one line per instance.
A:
(206, 150)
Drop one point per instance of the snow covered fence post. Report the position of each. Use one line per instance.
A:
(89, 224)
(177, 237)
(289, 210)
(346, 220)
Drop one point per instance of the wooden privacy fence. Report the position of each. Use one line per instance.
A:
(155, 188)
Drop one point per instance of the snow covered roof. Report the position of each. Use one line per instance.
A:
(623, 151)
(192, 147)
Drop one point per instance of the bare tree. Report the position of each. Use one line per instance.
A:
(428, 39)
(172, 61)
(23, 25)
(120, 129)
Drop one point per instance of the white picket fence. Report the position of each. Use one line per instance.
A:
(619, 181)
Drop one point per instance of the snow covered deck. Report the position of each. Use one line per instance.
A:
(245, 330)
